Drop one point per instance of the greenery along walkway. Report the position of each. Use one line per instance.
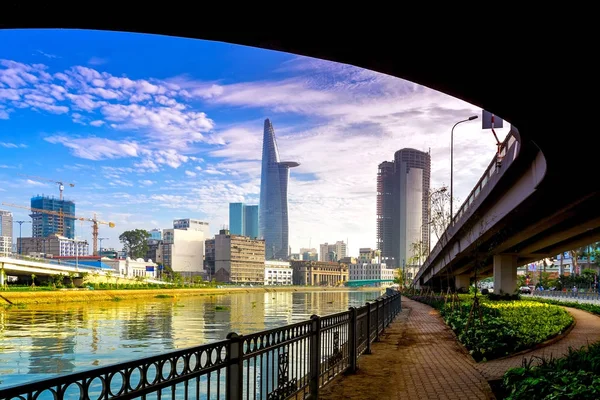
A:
(495, 329)
(586, 331)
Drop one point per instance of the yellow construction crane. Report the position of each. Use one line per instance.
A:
(61, 185)
(62, 215)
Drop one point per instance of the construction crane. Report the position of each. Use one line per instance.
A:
(62, 215)
(61, 185)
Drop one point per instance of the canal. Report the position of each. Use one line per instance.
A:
(41, 341)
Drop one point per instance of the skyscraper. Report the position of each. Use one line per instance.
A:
(402, 205)
(236, 218)
(47, 224)
(251, 221)
(243, 219)
(273, 207)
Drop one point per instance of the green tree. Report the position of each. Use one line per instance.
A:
(135, 243)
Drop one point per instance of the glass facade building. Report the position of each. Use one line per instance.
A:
(251, 221)
(273, 207)
(236, 218)
(403, 205)
(243, 220)
(44, 225)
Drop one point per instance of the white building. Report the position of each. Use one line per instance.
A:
(55, 245)
(371, 271)
(190, 224)
(183, 251)
(5, 245)
(6, 232)
(278, 273)
(339, 248)
(132, 268)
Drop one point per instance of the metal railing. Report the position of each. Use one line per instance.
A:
(500, 162)
(293, 361)
(586, 296)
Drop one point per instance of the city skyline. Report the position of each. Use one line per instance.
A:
(170, 128)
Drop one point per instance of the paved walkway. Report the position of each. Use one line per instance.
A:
(419, 358)
(586, 331)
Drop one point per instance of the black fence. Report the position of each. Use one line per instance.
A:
(293, 361)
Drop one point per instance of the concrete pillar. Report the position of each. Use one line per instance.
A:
(505, 273)
(462, 281)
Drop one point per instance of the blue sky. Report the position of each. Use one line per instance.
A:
(151, 128)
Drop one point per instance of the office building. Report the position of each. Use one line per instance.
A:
(278, 273)
(243, 219)
(155, 234)
(332, 252)
(53, 246)
(6, 232)
(273, 207)
(44, 225)
(318, 273)
(189, 224)
(209, 256)
(239, 259)
(377, 272)
(183, 251)
(402, 205)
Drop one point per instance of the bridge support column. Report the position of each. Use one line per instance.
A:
(462, 281)
(505, 273)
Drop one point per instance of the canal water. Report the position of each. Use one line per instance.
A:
(42, 341)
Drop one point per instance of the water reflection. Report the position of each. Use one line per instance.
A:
(38, 342)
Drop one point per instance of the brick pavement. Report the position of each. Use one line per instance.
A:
(586, 331)
(417, 358)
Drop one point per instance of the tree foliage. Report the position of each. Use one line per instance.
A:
(135, 243)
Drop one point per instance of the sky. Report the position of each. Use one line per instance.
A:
(152, 128)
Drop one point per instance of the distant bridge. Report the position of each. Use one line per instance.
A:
(366, 282)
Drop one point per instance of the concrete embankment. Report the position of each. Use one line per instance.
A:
(80, 295)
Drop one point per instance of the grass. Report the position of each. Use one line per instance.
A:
(163, 296)
(221, 308)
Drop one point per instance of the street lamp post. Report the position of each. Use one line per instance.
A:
(471, 118)
(21, 237)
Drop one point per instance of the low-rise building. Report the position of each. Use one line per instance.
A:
(372, 271)
(319, 273)
(133, 268)
(278, 273)
(239, 259)
(53, 245)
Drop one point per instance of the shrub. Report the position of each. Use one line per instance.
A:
(576, 376)
(508, 326)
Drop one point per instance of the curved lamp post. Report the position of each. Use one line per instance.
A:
(471, 118)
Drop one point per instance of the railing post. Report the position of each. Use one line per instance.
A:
(352, 342)
(235, 369)
(315, 356)
(383, 319)
(368, 349)
(377, 320)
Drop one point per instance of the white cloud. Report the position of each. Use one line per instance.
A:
(190, 173)
(97, 61)
(146, 182)
(13, 145)
(94, 148)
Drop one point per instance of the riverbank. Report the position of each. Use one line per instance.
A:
(82, 295)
